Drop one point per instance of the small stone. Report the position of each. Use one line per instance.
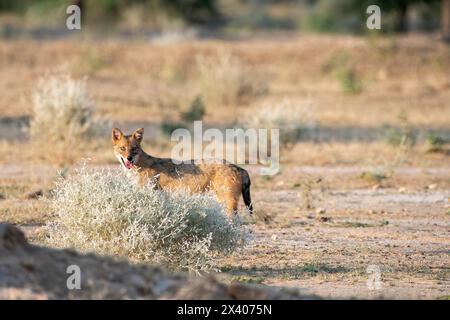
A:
(35, 194)
(321, 210)
(432, 186)
(376, 187)
(324, 219)
(402, 190)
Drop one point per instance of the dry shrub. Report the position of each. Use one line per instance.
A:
(292, 119)
(62, 118)
(107, 213)
(225, 80)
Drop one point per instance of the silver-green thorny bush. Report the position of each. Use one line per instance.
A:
(105, 212)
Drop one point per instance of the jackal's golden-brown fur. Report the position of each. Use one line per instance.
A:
(226, 180)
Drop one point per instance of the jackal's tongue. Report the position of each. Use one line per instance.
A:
(128, 164)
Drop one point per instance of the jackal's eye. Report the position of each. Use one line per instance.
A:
(123, 148)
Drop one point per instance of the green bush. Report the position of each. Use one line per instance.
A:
(435, 143)
(196, 111)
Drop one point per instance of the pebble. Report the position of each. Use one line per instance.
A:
(321, 210)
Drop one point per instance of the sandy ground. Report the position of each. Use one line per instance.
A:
(405, 235)
(402, 230)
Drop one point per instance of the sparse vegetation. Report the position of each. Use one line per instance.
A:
(306, 194)
(107, 213)
(91, 62)
(349, 81)
(62, 119)
(435, 143)
(343, 69)
(245, 279)
(195, 112)
(225, 80)
(357, 224)
(404, 136)
(292, 119)
(374, 176)
(314, 268)
(167, 127)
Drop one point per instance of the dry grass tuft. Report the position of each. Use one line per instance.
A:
(226, 80)
(293, 119)
(62, 119)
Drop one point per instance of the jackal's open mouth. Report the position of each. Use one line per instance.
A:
(126, 163)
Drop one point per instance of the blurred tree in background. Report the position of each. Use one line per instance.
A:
(446, 20)
(350, 15)
(398, 9)
(315, 15)
(192, 11)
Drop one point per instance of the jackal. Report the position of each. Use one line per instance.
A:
(226, 180)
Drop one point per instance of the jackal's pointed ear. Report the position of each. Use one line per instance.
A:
(116, 135)
(138, 134)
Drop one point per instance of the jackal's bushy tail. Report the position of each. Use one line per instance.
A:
(246, 190)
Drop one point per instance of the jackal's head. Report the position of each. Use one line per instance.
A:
(127, 148)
